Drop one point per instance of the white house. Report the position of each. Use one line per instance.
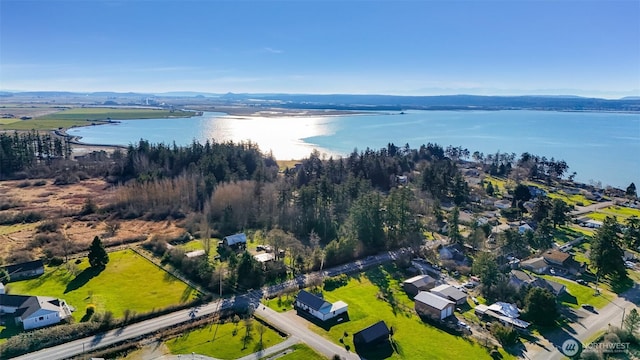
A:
(34, 311)
(318, 307)
(432, 305)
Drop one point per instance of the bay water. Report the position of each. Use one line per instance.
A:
(599, 146)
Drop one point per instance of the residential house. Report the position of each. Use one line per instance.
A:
(556, 258)
(25, 270)
(524, 228)
(195, 253)
(318, 307)
(451, 252)
(432, 305)
(502, 204)
(237, 240)
(506, 313)
(519, 278)
(537, 265)
(34, 311)
(451, 293)
(373, 335)
(418, 283)
(264, 257)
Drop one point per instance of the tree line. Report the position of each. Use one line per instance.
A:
(20, 151)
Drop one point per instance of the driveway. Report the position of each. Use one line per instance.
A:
(292, 324)
(585, 325)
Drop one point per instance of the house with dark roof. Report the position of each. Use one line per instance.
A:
(432, 305)
(519, 279)
(34, 311)
(318, 307)
(451, 293)
(418, 283)
(25, 270)
(372, 335)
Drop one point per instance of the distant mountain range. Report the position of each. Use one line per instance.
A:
(372, 102)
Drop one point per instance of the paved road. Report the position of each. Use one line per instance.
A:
(77, 347)
(299, 330)
(586, 327)
(580, 210)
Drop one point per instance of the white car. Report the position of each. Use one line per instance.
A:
(629, 264)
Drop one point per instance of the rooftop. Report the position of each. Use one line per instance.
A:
(433, 300)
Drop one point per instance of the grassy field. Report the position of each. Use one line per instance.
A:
(581, 294)
(620, 212)
(9, 229)
(113, 114)
(219, 340)
(85, 116)
(8, 121)
(129, 282)
(377, 295)
(301, 351)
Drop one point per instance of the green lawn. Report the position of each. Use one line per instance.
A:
(8, 121)
(219, 341)
(113, 113)
(575, 200)
(377, 295)
(581, 294)
(84, 116)
(301, 351)
(620, 212)
(129, 282)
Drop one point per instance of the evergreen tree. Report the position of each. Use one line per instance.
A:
(540, 306)
(98, 257)
(632, 233)
(490, 189)
(559, 211)
(631, 190)
(606, 250)
(453, 222)
(632, 321)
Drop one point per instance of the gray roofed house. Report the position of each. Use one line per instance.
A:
(34, 311)
(519, 278)
(451, 293)
(418, 283)
(538, 265)
(432, 305)
(25, 270)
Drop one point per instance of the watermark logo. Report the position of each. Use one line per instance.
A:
(607, 347)
(571, 347)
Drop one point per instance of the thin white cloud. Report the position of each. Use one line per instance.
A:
(272, 50)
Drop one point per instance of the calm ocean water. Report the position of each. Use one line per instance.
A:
(598, 146)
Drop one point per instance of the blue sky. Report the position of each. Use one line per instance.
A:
(589, 48)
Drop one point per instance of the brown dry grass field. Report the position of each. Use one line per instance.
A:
(63, 203)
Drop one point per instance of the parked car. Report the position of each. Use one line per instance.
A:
(475, 300)
(552, 271)
(581, 282)
(629, 264)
